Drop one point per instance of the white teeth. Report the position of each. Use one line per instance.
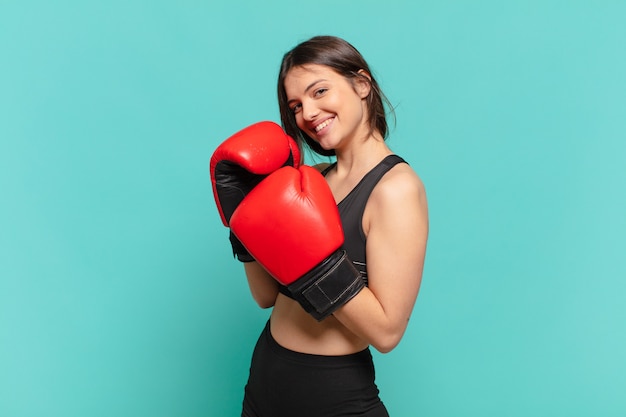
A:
(323, 125)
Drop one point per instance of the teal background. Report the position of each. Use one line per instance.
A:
(118, 294)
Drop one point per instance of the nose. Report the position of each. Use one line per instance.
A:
(309, 111)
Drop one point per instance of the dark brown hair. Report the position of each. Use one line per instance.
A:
(343, 58)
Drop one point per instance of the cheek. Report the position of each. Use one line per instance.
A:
(299, 121)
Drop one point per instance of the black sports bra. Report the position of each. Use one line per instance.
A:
(351, 210)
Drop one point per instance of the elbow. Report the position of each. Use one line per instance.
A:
(385, 347)
(264, 302)
(264, 297)
(387, 342)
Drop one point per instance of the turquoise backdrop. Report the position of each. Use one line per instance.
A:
(118, 294)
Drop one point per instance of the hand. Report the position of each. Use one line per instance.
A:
(291, 225)
(241, 162)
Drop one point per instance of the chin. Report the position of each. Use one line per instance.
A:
(326, 145)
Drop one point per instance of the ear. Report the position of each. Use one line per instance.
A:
(363, 84)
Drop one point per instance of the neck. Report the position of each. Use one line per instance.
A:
(361, 155)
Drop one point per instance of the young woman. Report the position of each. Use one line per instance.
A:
(330, 101)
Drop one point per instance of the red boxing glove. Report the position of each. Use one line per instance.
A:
(242, 161)
(291, 225)
(245, 158)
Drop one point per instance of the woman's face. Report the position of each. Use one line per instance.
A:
(327, 106)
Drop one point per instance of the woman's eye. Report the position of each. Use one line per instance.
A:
(320, 91)
(295, 109)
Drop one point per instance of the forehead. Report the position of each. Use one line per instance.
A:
(299, 78)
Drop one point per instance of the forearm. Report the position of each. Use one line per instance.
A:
(263, 287)
(365, 316)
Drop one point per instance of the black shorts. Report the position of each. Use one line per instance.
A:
(284, 383)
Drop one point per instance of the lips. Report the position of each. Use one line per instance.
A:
(322, 125)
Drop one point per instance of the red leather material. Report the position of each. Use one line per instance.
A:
(289, 222)
(244, 159)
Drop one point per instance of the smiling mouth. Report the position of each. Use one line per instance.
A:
(323, 124)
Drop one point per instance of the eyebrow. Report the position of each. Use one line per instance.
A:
(308, 88)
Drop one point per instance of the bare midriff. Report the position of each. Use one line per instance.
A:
(296, 330)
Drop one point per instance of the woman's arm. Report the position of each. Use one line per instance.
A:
(263, 286)
(396, 224)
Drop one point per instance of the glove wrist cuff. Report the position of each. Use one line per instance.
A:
(239, 251)
(328, 286)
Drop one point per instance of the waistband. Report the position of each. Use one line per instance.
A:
(358, 358)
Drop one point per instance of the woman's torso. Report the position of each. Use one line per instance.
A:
(291, 326)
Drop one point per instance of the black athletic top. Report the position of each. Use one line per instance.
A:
(351, 210)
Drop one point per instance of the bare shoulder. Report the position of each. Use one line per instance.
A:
(399, 184)
(397, 204)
